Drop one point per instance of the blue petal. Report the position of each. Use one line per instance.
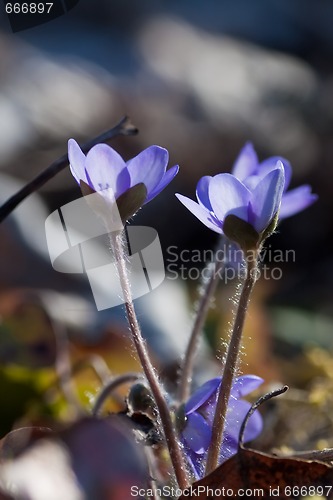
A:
(245, 384)
(252, 181)
(196, 461)
(169, 175)
(253, 429)
(77, 161)
(202, 192)
(148, 167)
(264, 168)
(106, 169)
(270, 164)
(229, 448)
(266, 198)
(237, 411)
(197, 433)
(296, 200)
(201, 213)
(201, 395)
(228, 196)
(246, 163)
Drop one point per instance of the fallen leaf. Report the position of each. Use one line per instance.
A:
(270, 476)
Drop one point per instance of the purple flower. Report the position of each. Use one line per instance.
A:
(248, 170)
(199, 414)
(254, 192)
(104, 171)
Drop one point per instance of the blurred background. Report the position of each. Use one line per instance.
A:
(199, 78)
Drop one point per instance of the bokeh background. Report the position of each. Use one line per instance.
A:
(199, 78)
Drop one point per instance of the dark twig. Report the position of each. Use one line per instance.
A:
(110, 386)
(124, 127)
(325, 455)
(254, 407)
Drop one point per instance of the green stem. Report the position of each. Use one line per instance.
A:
(230, 367)
(173, 444)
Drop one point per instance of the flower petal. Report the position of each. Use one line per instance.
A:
(237, 411)
(77, 161)
(169, 175)
(245, 384)
(202, 394)
(228, 196)
(201, 213)
(296, 200)
(106, 169)
(229, 448)
(246, 163)
(148, 167)
(236, 415)
(270, 164)
(197, 433)
(203, 193)
(197, 462)
(266, 198)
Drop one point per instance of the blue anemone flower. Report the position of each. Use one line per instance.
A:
(199, 415)
(254, 192)
(104, 171)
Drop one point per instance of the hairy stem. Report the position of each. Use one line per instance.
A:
(186, 370)
(173, 444)
(124, 127)
(230, 368)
